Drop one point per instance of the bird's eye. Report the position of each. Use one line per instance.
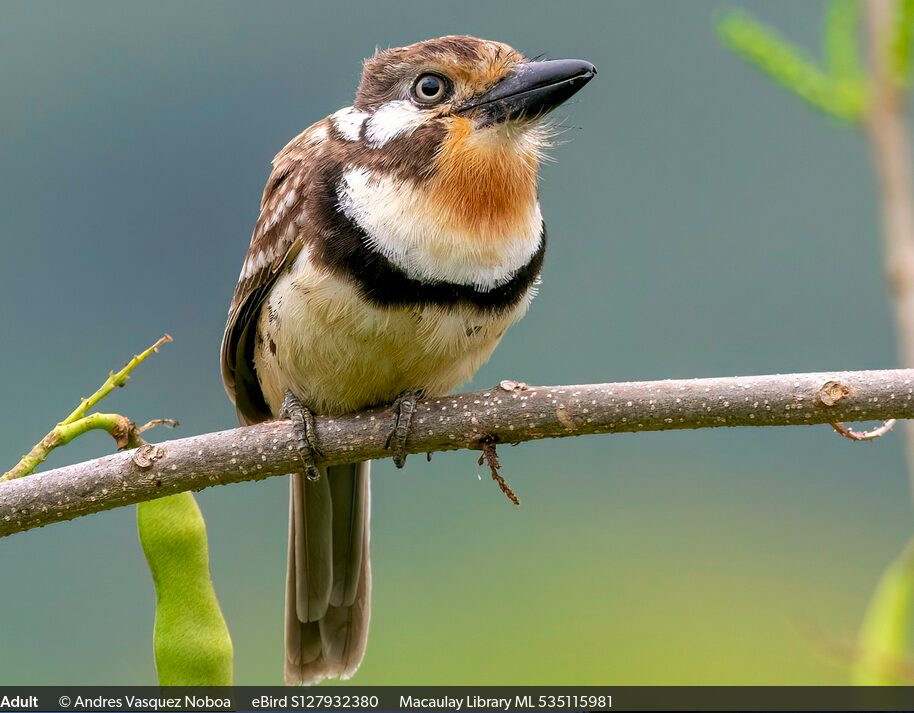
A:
(430, 88)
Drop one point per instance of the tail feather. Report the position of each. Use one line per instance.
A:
(311, 539)
(344, 630)
(328, 581)
(350, 507)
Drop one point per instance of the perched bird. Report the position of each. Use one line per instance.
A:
(397, 240)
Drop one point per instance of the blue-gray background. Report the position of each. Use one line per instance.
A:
(702, 222)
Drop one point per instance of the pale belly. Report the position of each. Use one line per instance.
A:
(339, 353)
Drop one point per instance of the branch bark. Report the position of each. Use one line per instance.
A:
(508, 413)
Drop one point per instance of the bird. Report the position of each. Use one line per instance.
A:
(397, 240)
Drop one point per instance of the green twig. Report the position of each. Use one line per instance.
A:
(122, 429)
(114, 380)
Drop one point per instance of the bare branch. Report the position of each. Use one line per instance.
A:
(509, 413)
(154, 423)
(870, 435)
(490, 457)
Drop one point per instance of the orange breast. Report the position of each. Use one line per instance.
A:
(484, 186)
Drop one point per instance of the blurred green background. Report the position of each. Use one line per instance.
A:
(702, 222)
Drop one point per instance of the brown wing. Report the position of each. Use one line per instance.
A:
(279, 234)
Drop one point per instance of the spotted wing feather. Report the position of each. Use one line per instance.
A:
(281, 230)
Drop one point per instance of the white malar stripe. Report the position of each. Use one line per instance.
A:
(391, 120)
(396, 218)
(349, 122)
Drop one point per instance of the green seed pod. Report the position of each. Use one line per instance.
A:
(191, 640)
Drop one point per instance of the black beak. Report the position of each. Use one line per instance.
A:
(532, 90)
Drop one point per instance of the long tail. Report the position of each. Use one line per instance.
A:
(328, 580)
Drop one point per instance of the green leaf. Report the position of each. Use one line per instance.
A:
(842, 95)
(882, 644)
(191, 640)
(840, 41)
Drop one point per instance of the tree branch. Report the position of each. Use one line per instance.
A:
(509, 413)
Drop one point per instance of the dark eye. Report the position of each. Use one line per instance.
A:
(430, 88)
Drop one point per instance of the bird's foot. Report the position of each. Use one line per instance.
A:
(306, 436)
(405, 406)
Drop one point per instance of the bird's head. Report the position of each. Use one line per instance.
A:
(465, 93)
(462, 116)
(466, 85)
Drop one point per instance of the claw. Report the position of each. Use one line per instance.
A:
(305, 432)
(405, 406)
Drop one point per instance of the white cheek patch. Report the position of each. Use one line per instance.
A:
(349, 122)
(398, 223)
(391, 120)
